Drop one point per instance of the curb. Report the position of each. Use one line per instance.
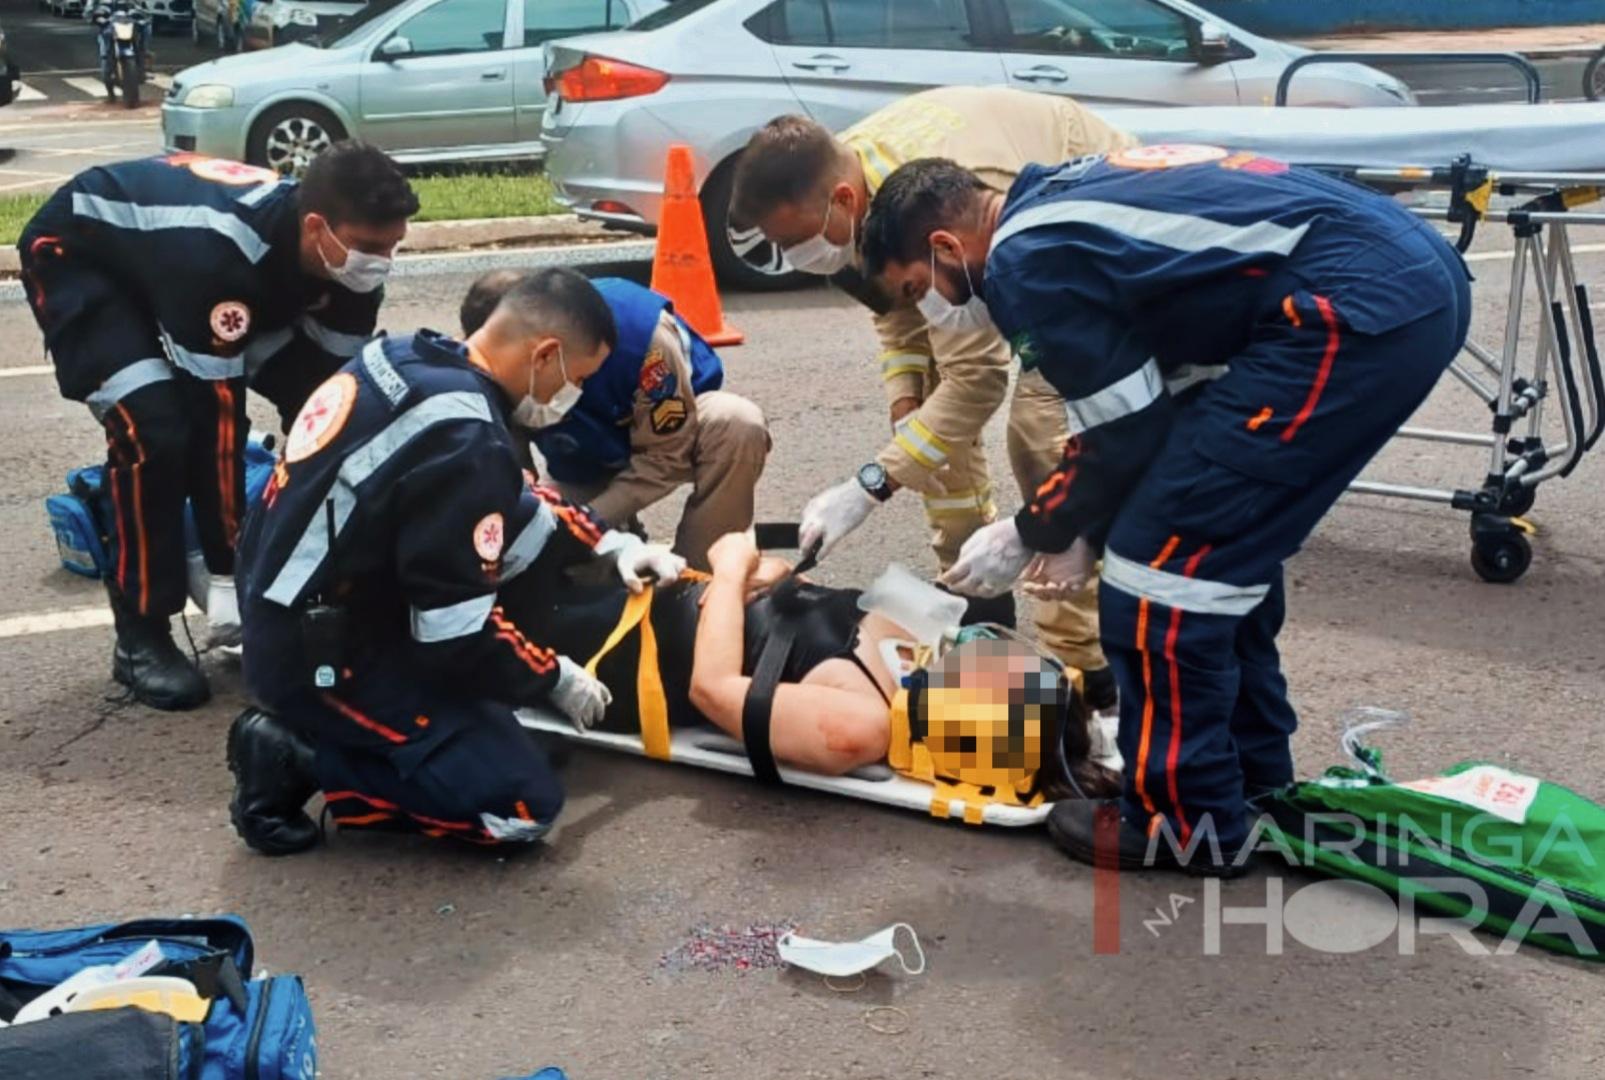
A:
(430, 237)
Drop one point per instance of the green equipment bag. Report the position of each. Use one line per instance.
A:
(1500, 850)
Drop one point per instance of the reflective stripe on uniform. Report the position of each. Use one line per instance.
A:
(920, 443)
(894, 364)
(265, 347)
(959, 502)
(203, 365)
(1180, 232)
(260, 192)
(384, 373)
(1173, 590)
(453, 621)
(1188, 376)
(313, 547)
(136, 376)
(127, 215)
(333, 342)
(529, 543)
(1129, 395)
(877, 165)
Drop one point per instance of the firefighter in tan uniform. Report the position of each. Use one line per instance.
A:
(808, 191)
(650, 420)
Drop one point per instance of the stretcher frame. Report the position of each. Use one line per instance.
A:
(1514, 390)
(710, 749)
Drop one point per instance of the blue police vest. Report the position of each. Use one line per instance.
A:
(592, 443)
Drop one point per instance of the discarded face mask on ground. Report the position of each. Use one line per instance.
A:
(840, 959)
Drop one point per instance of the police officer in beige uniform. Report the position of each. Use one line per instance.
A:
(653, 418)
(808, 191)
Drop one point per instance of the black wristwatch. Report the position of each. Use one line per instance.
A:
(872, 478)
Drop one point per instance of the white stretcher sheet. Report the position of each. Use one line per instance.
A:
(1566, 137)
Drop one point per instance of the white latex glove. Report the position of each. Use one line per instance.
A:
(222, 612)
(832, 514)
(638, 560)
(1061, 576)
(989, 562)
(579, 695)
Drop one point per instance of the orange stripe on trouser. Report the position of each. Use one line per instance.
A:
(1173, 756)
(390, 811)
(1141, 773)
(1333, 341)
(136, 463)
(227, 510)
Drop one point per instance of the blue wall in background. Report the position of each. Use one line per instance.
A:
(1294, 18)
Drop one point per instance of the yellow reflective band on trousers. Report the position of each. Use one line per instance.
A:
(651, 701)
(921, 443)
(965, 503)
(894, 364)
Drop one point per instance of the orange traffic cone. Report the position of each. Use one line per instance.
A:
(681, 269)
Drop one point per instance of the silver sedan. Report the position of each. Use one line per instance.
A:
(711, 72)
(428, 80)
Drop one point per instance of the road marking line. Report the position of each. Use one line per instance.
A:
(37, 369)
(91, 87)
(50, 622)
(29, 93)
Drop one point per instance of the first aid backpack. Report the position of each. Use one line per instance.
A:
(253, 1029)
(84, 531)
(1502, 851)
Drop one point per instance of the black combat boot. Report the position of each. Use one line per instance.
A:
(149, 662)
(1076, 824)
(273, 779)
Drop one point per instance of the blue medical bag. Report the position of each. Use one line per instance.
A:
(254, 1029)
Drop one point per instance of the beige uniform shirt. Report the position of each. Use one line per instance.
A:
(994, 132)
(662, 429)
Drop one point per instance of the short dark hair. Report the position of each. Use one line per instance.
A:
(355, 182)
(557, 298)
(483, 296)
(786, 161)
(920, 197)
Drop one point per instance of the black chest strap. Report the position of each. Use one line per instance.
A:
(758, 709)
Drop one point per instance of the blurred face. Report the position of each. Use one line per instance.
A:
(989, 706)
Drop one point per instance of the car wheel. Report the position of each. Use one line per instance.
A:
(741, 257)
(289, 136)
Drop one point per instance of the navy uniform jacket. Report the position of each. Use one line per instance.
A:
(212, 248)
(404, 454)
(1127, 280)
(592, 443)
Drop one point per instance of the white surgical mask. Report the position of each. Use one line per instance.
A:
(817, 255)
(539, 414)
(843, 958)
(361, 272)
(943, 314)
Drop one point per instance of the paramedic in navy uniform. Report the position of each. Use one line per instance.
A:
(164, 288)
(369, 575)
(1234, 339)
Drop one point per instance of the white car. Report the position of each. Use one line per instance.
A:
(711, 72)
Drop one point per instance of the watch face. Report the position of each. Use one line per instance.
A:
(872, 476)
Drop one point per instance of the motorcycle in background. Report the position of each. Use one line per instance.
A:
(122, 32)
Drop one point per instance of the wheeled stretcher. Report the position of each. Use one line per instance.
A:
(1535, 169)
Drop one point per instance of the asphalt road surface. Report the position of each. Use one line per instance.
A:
(427, 960)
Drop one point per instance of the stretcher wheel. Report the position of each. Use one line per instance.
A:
(1502, 558)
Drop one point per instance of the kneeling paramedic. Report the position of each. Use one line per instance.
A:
(653, 418)
(164, 287)
(1234, 339)
(369, 578)
(808, 191)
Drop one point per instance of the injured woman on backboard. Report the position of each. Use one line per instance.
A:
(879, 694)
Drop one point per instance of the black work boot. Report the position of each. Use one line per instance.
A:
(148, 662)
(273, 779)
(1075, 824)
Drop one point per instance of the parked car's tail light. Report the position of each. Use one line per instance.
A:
(596, 78)
(611, 206)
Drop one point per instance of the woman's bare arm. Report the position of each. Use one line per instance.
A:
(818, 727)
